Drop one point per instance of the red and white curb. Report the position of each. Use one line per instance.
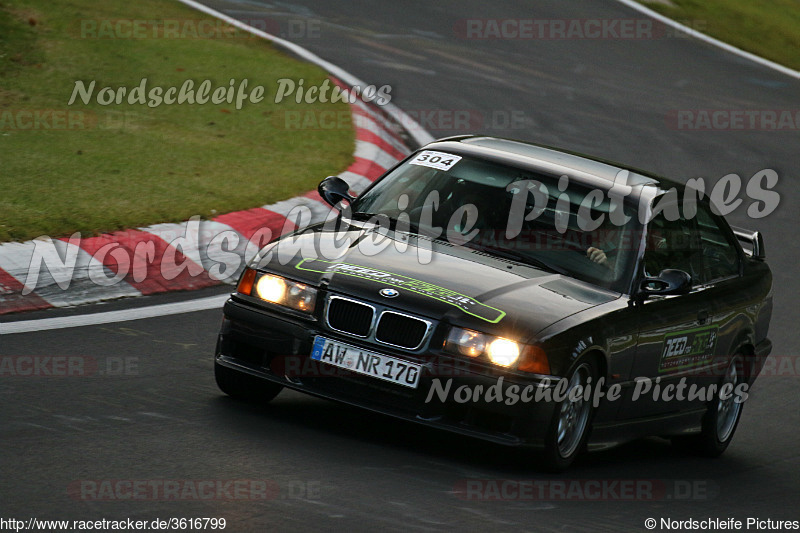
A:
(46, 272)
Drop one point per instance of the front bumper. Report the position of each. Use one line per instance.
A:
(276, 347)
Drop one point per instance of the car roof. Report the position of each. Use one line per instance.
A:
(586, 169)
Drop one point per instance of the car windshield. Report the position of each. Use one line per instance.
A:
(547, 221)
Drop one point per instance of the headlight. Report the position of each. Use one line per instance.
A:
(278, 290)
(500, 351)
(466, 342)
(503, 352)
(271, 288)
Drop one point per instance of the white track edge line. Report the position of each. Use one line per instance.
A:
(123, 315)
(710, 40)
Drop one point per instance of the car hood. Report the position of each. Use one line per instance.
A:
(433, 279)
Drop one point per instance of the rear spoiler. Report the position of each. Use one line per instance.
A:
(752, 242)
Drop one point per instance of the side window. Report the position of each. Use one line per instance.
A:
(720, 254)
(673, 244)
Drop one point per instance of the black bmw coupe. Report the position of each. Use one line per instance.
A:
(514, 293)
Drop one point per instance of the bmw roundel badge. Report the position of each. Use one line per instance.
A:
(389, 293)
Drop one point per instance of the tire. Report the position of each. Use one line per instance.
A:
(571, 423)
(721, 418)
(243, 386)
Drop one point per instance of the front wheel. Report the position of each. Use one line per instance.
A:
(569, 428)
(244, 386)
(722, 417)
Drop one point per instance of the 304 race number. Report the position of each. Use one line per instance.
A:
(437, 160)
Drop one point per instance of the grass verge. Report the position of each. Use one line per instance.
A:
(770, 28)
(97, 168)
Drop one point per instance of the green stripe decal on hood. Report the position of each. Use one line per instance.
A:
(468, 305)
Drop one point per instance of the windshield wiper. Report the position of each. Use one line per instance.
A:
(516, 256)
(363, 215)
(413, 227)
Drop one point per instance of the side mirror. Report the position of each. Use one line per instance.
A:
(669, 281)
(334, 189)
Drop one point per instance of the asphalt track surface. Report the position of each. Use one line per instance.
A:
(162, 418)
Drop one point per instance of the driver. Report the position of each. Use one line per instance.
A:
(656, 242)
(604, 239)
(596, 255)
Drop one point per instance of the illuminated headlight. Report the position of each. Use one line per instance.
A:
(472, 343)
(279, 290)
(271, 289)
(503, 352)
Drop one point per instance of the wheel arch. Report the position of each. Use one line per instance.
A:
(597, 353)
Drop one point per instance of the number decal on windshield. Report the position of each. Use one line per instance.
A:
(437, 160)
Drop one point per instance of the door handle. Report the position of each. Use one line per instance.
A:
(702, 316)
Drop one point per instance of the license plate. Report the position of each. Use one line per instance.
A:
(365, 362)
